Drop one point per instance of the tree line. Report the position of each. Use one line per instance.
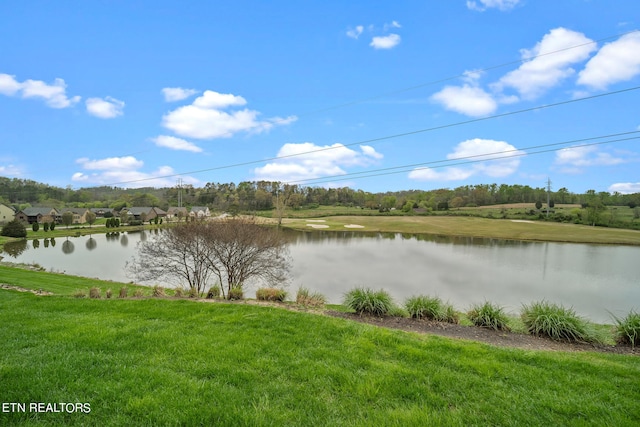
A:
(252, 196)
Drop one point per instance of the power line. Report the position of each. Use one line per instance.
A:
(447, 162)
(343, 178)
(398, 135)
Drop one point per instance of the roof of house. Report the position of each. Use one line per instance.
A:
(199, 208)
(77, 211)
(139, 210)
(39, 211)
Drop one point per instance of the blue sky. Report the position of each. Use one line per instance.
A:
(376, 96)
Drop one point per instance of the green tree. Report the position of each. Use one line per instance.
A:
(538, 205)
(91, 218)
(594, 208)
(52, 225)
(67, 218)
(45, 226)
(14, 228)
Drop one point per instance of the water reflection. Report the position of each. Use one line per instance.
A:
(463, 270)
(91, 243)
(36, 243)
(68, 247)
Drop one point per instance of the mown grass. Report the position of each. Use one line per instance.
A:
(477, 227)
(177, 362)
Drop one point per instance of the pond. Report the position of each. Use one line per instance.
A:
(593, 279)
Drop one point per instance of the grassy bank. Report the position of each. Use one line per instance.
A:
(180, 362)
(474, 227)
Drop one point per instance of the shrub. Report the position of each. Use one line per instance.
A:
(432, 308)
(236, 293)
(138, 293)
(179, 292)
(556, 322)
(193, 293)
(80, 293)
(109, 293)
(14, 228)
(628, 329)
(35, 226)
(489, 315)
(52, 225)
(423, 307)
(123, 292)
(309, 299)
(94, 293)
(214, 292)
(158, 291)
(367, 301)
(271, 294)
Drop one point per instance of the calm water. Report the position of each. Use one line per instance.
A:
(593, 279)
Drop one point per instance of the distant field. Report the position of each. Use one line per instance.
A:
(475, 227)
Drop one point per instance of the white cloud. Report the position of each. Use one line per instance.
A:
(205, 118)
(174, 143)
(354, 33)
(172, 94)
(10, 170)
(547, 63)
(310, 161)
(625, 187)
(466, 99)
(9, 85)
(110, 163)
(124, 171)
(615, 62)
(54, 95)
(106, 108)
(211, 99)
(393, 24)
(575, 159)
(475, 150)
(483, 5)
(385, 42)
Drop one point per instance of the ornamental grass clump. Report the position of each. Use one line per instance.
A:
(367, 301)
(556, 322)
(94, 293)
(236, 293)
(158, 292)
(489, 315)
(214, 292)
(628, 329)
(80, 293)
(123, 292)
(431, 308)
(310, 299)
(271, 294)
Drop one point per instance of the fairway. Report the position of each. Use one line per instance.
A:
(476, 227)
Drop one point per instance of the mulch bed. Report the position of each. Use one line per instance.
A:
(489, 336)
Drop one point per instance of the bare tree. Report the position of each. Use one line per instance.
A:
(242, 250)
(234, 250)
(178, 254)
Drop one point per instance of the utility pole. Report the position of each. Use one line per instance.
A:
(548, 194)
(180, 192)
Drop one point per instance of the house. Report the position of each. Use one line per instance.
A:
(6, 214)
(100, 212)
(200, 212)
(79, 215)
(144, 213)
(177, 213)
(39, 215)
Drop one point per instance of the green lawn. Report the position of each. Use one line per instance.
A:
(476, 227)
(181, 362)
